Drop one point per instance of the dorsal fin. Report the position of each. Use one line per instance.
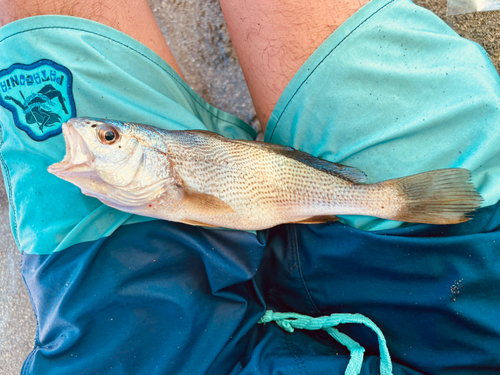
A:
(351, 174)
(342, 171)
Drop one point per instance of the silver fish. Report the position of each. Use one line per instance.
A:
(201, 178)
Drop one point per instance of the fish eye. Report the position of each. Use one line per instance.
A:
(108, 135)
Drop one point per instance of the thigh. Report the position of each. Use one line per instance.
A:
(83, 68)
(132, 17)
(430, 289)
(274, 38)
(394, 92)
(151, 298)
(141, 291)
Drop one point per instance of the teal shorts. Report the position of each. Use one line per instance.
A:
(393, 91)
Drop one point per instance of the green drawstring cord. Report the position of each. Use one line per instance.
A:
(291, 321)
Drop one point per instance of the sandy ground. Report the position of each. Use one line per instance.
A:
(197, 35)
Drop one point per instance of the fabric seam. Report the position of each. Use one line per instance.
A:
(295, 249)
(28, 358)
(9, 192)
(299, 361)
(321, 62)
(37, 338)
(181, 83)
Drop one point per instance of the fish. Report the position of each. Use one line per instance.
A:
(201, 178)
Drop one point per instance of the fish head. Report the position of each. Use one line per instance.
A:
(103, 157)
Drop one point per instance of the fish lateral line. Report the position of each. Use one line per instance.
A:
(236, 186)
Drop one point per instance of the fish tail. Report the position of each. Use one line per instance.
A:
(443, 196)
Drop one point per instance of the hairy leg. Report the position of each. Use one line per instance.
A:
(132, 17)
(273, 38)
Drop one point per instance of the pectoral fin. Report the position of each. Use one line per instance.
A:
(204, 204)
(197, 203)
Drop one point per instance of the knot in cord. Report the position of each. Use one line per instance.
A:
(291, 321)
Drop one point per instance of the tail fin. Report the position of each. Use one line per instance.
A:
(443, 196)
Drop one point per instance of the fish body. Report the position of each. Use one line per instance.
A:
(201, 178)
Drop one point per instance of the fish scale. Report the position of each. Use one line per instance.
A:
(202, 178)
(245, 184)
(290, 188)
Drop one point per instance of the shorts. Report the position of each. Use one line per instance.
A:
(393, 92)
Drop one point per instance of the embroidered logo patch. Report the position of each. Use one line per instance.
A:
(39, 96)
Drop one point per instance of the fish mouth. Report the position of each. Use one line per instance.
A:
(78, 161)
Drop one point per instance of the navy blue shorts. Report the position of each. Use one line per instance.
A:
(115, 293)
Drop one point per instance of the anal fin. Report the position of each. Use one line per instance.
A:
(197, 223)
(317, 219)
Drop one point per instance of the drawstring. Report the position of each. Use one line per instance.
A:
(291, 321)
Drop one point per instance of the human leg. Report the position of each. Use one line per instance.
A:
(81, 262)
(132, 17)
(274, 38)
(394, 91)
